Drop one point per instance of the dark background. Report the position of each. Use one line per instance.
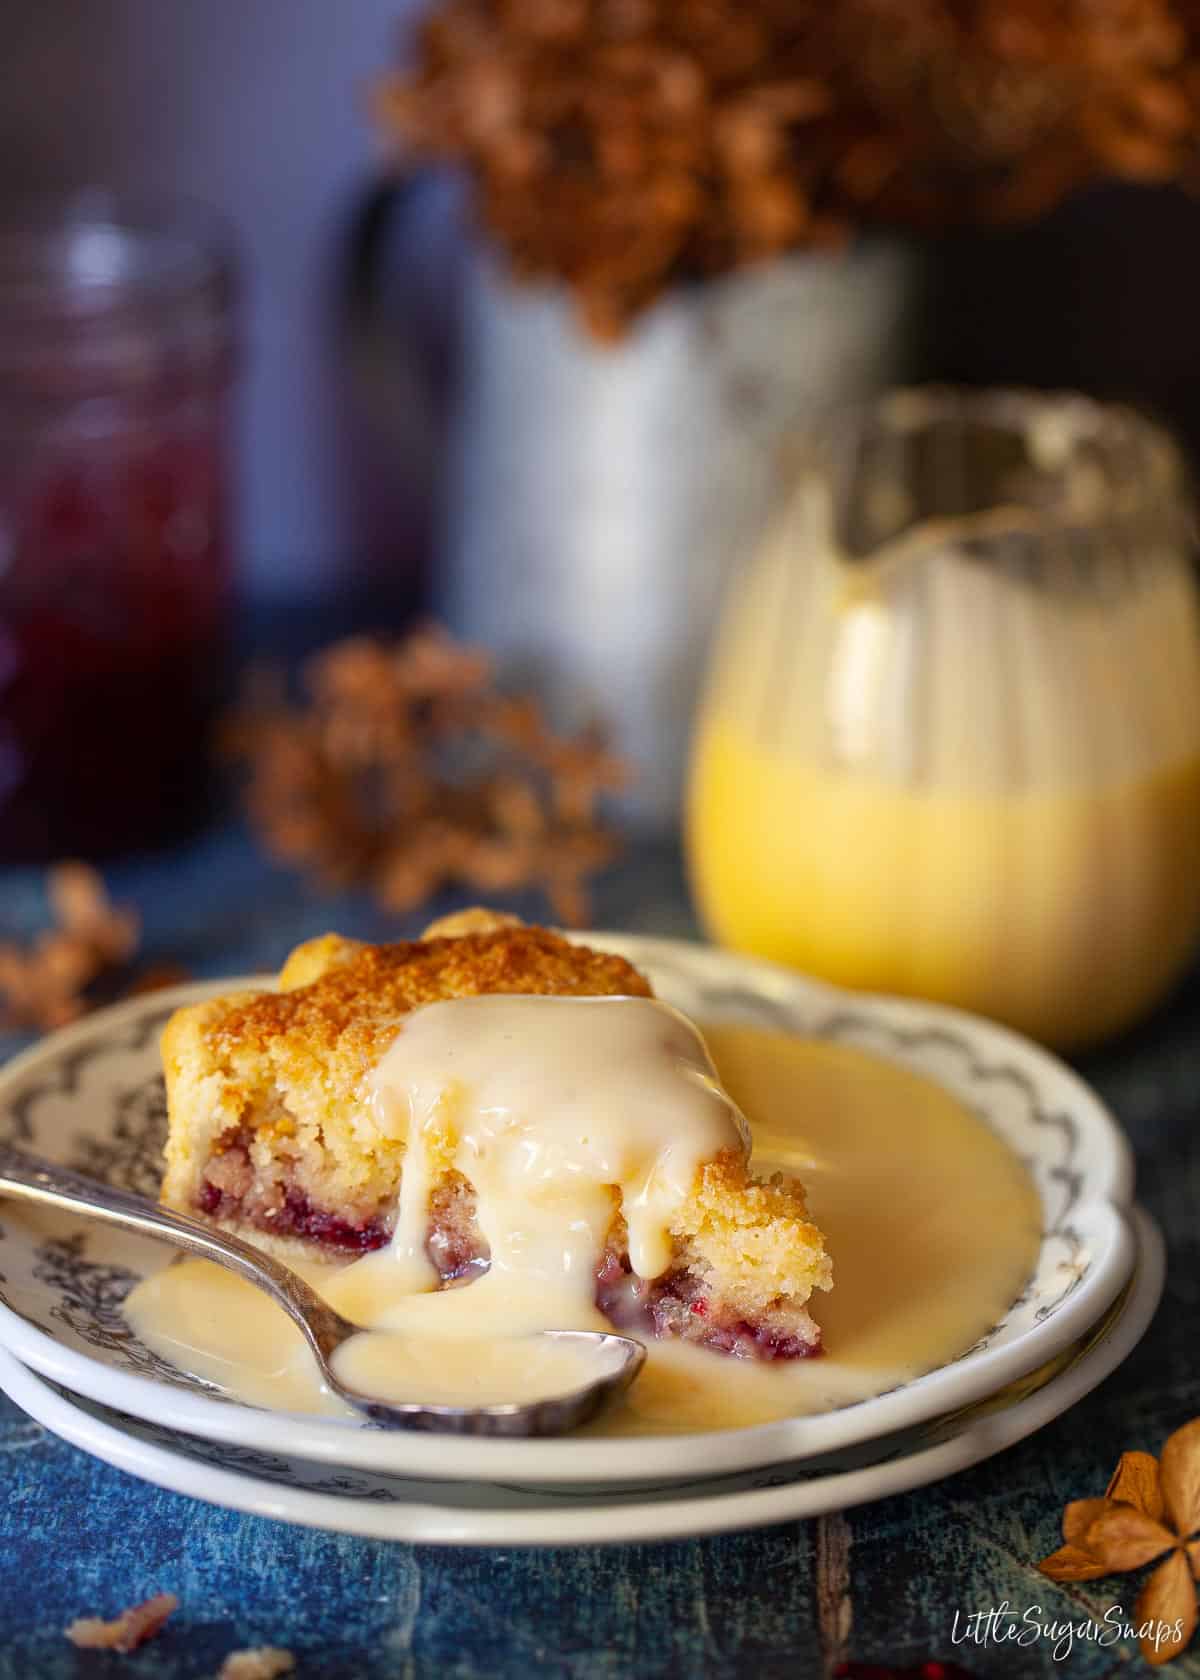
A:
(261, 110)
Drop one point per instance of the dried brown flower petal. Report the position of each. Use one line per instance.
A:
(1072, 1563)
(1079, 1516)
(258, 1662)
(1135, 1481)
(1167, 1606)
(1123, 1539)
(1179, 1472)
(128, 1630)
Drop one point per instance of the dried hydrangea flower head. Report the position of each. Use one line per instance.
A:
(623, 146)
(70, 966)
(405, 770)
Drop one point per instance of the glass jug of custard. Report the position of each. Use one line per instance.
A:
(950, 744)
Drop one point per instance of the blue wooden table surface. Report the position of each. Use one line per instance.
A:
(881, 1583)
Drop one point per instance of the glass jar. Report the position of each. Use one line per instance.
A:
(115, 356)
(950, 745)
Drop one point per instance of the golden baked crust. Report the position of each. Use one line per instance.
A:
(339, 996)
(279, 1081)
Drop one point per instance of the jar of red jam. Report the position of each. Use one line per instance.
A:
(115, 365)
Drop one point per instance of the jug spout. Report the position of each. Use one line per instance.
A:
(943, 477)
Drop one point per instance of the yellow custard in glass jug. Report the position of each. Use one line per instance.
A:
(951, 741)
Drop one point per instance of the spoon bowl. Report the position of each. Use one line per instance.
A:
(618, 1359)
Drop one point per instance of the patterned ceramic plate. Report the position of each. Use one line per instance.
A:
(92, 1097)
(272, 1484)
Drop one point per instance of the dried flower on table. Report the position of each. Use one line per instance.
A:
(48, 983)
(405, 770)
(85, 914)
(85, 959)
(1150, 1510)
(126, 1631)
(623, 146)
(260, 1662)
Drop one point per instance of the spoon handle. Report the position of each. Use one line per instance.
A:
(46, 1184)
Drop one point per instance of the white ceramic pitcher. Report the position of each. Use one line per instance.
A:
(593, 496)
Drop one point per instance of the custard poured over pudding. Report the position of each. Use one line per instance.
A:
(932, 1221)
(557, 1111)
(503, 1103)
(588, 1156)
(493, 1131)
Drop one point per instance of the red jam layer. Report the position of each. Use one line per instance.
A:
(675, 1306)
(299, 1218)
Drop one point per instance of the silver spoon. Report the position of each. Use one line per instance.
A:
(618, 1358)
